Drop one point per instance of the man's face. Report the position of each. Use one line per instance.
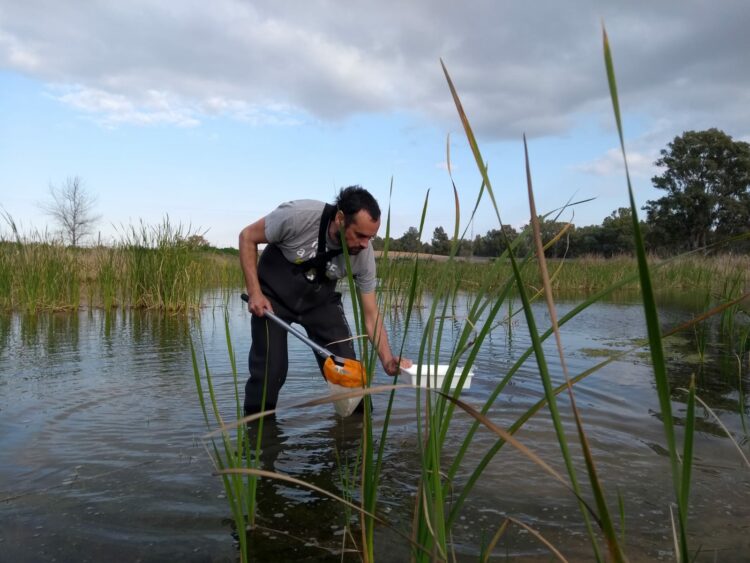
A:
(360, 231)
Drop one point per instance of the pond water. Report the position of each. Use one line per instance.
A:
(102, 457)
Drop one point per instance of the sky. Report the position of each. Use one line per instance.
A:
(210, 114)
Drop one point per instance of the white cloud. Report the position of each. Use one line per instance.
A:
(16, 54)
(113, 109)
(156, 108)
(611, 164)
(518, 67)
(274, 114)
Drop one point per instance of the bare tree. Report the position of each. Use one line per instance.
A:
(72, 208)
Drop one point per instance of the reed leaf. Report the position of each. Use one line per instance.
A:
(606, 521)
(493, 542)
(531, 323)
(231, 488)
(687, 452)
(717, 419)
(652, 318)
(540, 537)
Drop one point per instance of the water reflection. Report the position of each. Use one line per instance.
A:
(97, 432)
(53, 330)
(319, 523)
(6, 323)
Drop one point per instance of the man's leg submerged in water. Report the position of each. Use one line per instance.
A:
(268, 361)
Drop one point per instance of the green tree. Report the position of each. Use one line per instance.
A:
(197, 241)
(616, 234)
(706, 180)
(441, 243)
(409, 241)
(585, 240)
(493, 242)
(550, 230)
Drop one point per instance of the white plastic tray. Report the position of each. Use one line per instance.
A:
(432, 376)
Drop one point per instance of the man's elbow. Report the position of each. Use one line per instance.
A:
(253, 234)
(244, 237)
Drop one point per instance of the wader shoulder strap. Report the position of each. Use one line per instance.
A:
(328, 212)
(322, 255)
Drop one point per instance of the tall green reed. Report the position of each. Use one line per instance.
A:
(680, 479)
(536, 343)
(234, 449)
(109, 268)
(160, 268)
(39, 272)
(573, 277)
(497, 286)
(7, 264)
(153, 267)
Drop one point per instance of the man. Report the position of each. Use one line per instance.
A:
(295, 278)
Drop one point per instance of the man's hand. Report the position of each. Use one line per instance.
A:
(250, 237)
(258, 304)
(393, 366)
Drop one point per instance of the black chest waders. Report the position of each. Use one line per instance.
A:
(295, 298)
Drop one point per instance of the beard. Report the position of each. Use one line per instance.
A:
(354, 251)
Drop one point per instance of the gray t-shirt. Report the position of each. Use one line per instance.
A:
(294, 226)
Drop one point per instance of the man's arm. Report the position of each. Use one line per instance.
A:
(378, 336)
(250, 237)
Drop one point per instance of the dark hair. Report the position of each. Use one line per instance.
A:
(353, 199)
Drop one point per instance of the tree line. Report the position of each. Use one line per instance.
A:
(705, 179)
(706, 183)
(613, 237)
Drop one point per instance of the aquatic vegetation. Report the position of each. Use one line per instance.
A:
(232, 451)
(38, 272)
(152, 267)
(418, 286)
(575, 276)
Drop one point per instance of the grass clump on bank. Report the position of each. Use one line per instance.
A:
(150, 267)
(37, 273)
